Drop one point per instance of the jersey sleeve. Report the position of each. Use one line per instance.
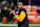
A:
(21, 17)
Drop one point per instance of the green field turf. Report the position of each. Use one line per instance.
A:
(16, 26)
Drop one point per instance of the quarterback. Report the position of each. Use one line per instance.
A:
(22, 16)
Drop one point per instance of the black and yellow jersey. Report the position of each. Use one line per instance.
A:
(21, 17)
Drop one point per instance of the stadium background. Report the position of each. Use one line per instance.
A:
(33, 13)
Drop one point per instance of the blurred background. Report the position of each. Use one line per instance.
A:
(32, 7)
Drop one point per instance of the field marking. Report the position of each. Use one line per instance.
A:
(17, 24)
(8, 24)
(34, 24)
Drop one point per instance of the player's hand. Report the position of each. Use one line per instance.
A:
(13, 12)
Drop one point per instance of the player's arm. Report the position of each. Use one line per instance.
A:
(21, 17)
